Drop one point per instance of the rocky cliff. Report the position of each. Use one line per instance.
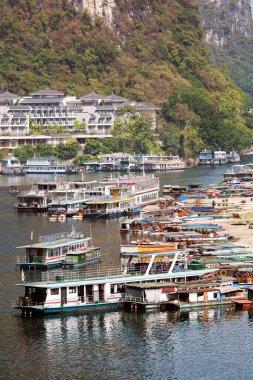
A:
(225, 19)
(98, 8)
(229, 35)
(227, 23)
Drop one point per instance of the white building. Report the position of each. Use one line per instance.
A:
(14, 118)
(48, 107)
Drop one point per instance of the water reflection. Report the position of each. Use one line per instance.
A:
(132, 345)
(118, 345)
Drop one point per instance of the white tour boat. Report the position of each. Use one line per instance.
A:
(70, 248)
(79, 291)
(123, 195)
(48, 165)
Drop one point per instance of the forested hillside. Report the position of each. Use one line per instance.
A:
(154, 51)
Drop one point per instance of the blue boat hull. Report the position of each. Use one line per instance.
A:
(100, 306)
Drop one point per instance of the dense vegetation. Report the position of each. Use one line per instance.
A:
(156, 53)
(64, 151)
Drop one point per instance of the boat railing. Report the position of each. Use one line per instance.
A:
(27, 260)
(81, 274)
(133, 299)
(91, 299)
(26, 301)
(63, 235)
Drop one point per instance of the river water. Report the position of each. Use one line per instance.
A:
(205, 344)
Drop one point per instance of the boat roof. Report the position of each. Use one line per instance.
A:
(77, 253)
(117, 279)
(150, 253)
(55, 244)
(110, 201)
(181, 285)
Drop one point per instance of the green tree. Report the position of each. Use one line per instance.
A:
(25, 152)
(133, 132)
(79, 126)
(84, 158)
(36, 129)
(45, 150)
(109, 145)
(3, 153)
(54, 129)
(68, 150)
(169, 135)
(92, 147)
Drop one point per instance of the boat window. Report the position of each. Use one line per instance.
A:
(72, 289)
(113, 289)
(121, 288)
(54, 291)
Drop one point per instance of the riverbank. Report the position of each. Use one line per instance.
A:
(240, 221)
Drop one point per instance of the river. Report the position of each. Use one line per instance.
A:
(205, 344)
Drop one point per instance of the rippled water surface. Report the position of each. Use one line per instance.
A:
(206, 344)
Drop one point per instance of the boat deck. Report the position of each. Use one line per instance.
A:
(108, 276)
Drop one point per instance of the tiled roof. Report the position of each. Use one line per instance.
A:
(8, 96)
(46, 92)
(41, 101)
(19, 108)
(116, 98)
(93, 96)
(139, 105)
(105, 108)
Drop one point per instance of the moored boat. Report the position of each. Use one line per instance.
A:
(99, 290)
(52, 250)
(11, 166)
(48, 165)
(185, 296)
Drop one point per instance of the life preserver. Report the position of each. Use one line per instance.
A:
(223, 272)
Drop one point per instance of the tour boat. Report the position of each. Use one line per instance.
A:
(160, 163)
(79, 291)
(37, 197)
(32, 200)
(123, 194)
(53, 250)
(47, 165)
(11, 166)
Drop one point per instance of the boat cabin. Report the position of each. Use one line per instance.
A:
(183, 295)
(52, 250)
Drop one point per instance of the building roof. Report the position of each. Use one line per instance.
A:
(8, 96)
(93, 96)
(139, 105)
(107, 98)
(41, 101)
(47, 92)
(19, 108)
(105, 108)
(115, 98)
(146, 105)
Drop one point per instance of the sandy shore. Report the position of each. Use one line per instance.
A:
(239, 228)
